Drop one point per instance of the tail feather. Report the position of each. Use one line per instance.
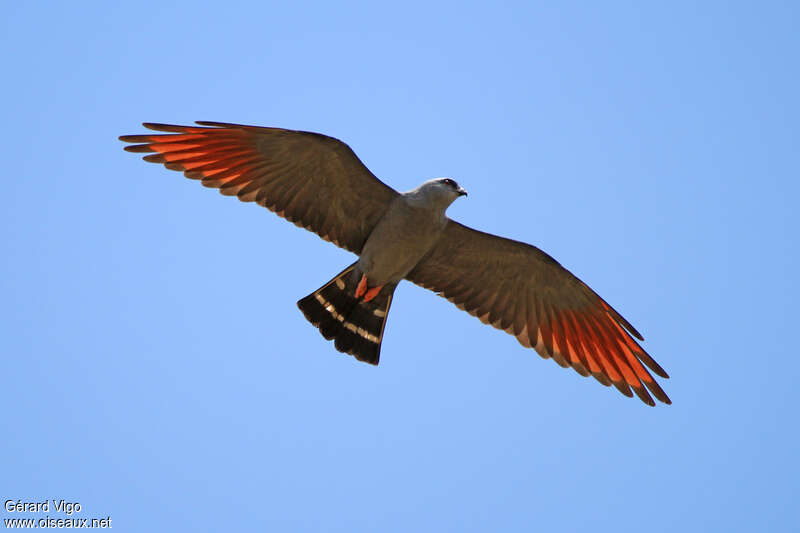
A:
(355, 326)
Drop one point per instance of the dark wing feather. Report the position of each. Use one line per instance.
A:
(519, 288)
(312, 180)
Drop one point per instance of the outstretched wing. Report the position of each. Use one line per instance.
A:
(522, 290)
(312, 180)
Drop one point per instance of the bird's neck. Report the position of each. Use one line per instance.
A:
(435, 204)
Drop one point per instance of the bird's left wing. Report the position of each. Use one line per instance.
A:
(518, 288)
(312, 180)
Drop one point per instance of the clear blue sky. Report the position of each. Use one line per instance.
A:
(156, 369)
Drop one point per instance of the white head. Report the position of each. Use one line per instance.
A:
(438, 192)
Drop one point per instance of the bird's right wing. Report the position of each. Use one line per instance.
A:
(316, 182)
(518, 288)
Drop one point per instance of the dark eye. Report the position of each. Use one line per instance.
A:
(449, 182)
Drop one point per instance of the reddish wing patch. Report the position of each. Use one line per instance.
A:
(214, 155)
(594, 342)
(316, 182)
(531, 296)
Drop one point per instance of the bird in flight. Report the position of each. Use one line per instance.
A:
(318, 183)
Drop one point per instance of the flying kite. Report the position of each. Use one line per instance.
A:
(318, 183)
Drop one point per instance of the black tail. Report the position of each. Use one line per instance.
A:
(356, 325)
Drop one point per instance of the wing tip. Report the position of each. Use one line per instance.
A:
(159, 126)
(136, 148)
(215, 124)
(623, 388)
(172, 128)
(641, 392)
(658, 392)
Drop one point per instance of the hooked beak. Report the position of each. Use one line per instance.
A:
(462, 191)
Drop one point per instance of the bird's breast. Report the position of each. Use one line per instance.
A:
(402, 237)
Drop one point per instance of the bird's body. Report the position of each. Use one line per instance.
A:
(317, 182)
(411, 226)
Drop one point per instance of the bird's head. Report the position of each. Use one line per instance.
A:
(449, 186)
(440, 192)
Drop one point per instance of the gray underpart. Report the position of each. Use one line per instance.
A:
(411, 226)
